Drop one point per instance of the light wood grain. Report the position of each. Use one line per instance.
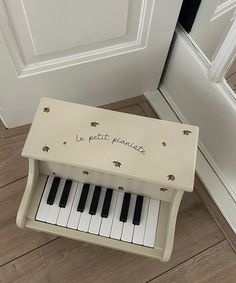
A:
(148, 109)
(125, 103)
(232, 81)
(36, 257)
(216, 264)
(231, 70)
(65, 260)
(13, 241)
(5, 132)
(231, 76)
(130, 105)
(215, 213)
(12, 165)
(134, 109)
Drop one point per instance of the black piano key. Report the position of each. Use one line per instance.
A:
(65, 193)
(53, 190)
(138, 210)
(125, 207)
(95, 199)
(83, 198)
(107, 203)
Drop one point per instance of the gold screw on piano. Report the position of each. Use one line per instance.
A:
(46, 109)
(171, 177)
(163, 189)
(94, 124)
(186, 132)
(117, 163)
(46, 148)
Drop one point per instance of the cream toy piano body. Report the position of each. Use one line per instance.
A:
(108, 178)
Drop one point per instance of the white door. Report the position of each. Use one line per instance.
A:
(86, 51)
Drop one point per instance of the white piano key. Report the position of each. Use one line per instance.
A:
(105, 229)
(74, 217)
(54, 209)
(139, 230)
(128, 227)
(85, 216)
(43, 206)
(117, 225)
(151, 225)
(64, 212)
(96, 219)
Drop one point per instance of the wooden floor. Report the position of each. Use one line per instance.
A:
(201, 251)
(231, 76)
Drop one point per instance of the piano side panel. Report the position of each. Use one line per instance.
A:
(35, 200)
(163, 220)
(26, 199)
(170, 227)
(107, 180)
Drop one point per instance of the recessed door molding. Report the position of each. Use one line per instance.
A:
(132, 36)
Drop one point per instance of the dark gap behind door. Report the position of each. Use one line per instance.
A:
(188, 13)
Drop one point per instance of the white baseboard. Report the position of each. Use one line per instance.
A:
(166, 109)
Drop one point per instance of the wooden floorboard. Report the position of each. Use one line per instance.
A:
(216, 264)
(232, 70)
(15, 242)
(69, 260)
(28, 256)
(147, 109)
(215, 213)
(125, 103)
(231, 76)
(134, 109)
(5, 132)
(12, 165)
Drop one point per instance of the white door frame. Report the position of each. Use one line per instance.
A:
(224, 57)
(188, 95)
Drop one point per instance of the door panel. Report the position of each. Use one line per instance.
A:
(79, 22)
(40, 31)
(92, 52)
(52, 26)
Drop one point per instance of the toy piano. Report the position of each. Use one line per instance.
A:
(107, 178)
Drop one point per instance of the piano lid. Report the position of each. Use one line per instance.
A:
(141, 148)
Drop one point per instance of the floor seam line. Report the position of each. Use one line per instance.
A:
(1, 187)
(187, 259)
(29, 251)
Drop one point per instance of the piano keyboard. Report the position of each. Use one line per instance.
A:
(100, 211)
